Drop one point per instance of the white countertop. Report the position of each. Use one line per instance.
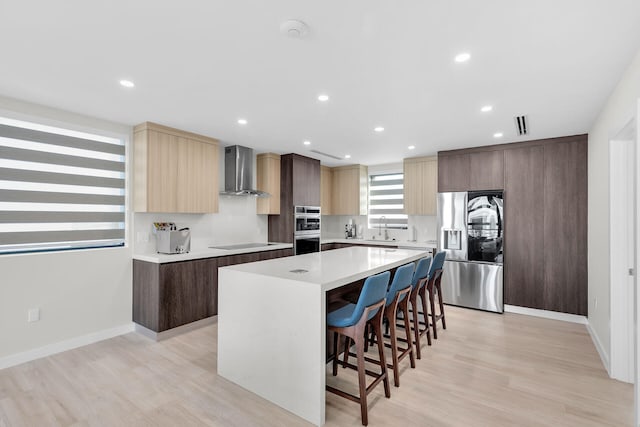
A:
(207, 253)
(428, 244)
(263, 305)
(331, 269)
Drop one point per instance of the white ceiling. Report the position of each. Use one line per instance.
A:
(201, 65)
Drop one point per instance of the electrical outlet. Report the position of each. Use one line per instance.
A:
(33, 315)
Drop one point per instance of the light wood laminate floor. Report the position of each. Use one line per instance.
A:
(485, 370)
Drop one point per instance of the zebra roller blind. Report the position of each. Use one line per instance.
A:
(59, 189)
(386, 201)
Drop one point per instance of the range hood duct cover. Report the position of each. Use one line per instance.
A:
(238, 172)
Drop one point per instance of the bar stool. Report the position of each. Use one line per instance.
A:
(351, 321)
(397, 297)
(433, 286)
(417, 284)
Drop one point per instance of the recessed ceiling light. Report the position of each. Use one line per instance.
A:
(323, 97)
(486, 108)
(497, 135)
(411, 147)
(126, 83)
(463, 57)
(379, 129)
(306, 142)
(347, 156)
(242, 121)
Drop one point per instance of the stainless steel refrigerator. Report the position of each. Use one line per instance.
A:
(471, 232)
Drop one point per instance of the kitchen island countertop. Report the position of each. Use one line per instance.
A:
(272, 321)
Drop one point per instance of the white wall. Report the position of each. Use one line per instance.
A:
(236, 222)
(78, 292)
(619, 108)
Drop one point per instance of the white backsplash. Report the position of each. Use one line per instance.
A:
(425, 228)
(236, 222)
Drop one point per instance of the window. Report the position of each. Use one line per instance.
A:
(386, 201)
(59, 189)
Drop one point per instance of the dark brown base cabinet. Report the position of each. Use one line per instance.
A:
(173, 294)
(545, 193)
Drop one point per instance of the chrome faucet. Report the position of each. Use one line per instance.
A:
(386, 231)
(380, 224)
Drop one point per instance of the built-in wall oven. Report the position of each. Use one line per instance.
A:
(306, 236)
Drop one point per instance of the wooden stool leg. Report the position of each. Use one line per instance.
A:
(347, 344)
(377, 327)
(404, 307)
(335, 354)
(423, 300)
(433, 312)
(416, 326)
(444, 324)
(366, 338)
(394, 349)
(362, 379)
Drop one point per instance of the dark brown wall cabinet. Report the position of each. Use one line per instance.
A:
(173, 294)
(565, 227)
(299, 186)
(545, 183)
(546, 225)
(453, 172)
(524, 227)
(482, 170)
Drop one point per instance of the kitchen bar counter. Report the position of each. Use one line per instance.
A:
(272, 321)
(207, 253)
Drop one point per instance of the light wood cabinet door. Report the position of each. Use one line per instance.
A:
(268, 179)
(349, 190)
(174, 171)
(326, 179)
(420, 185)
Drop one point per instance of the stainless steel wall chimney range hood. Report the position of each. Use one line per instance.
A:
(238, 172)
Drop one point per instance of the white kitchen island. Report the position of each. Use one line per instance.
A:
(272, 321)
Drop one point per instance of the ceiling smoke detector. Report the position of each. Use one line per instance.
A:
(294, 29)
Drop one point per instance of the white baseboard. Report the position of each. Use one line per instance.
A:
(58, 347)
(601, 351)
(565, 317)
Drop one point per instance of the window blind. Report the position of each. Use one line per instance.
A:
(59, 189)
(386, 201)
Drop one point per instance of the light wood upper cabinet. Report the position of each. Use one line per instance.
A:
(174, 171)
(326, 178)
(349, 190)
(420, 185)
(268, 179)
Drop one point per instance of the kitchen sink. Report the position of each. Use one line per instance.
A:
(242, 246)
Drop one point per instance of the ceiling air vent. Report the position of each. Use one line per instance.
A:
(522, 125)
(326, 155)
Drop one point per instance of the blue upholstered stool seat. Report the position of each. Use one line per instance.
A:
(373, 291)
(343, 316)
